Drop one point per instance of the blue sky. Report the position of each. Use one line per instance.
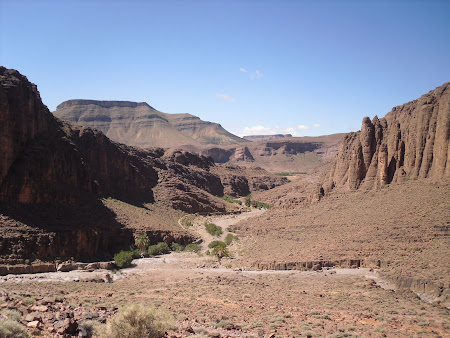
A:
(256, 67)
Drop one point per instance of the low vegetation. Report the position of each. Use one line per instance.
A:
(158, 249)
(219, 249)
(230, 238)
(176, 247)
(123, 259)
(135, 321)
(213, 229)
(256, 204)
(193, 247)
(230, 199)
(10, 326)
(291, 173)
(142, 242)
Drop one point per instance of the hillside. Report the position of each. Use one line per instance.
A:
(69, 191)
(384, 203)
(140, 125)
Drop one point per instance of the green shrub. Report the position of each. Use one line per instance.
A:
(123, 259)
(189, 223)
(176, 247)
(248, 200)
(255, 204)
(230, 238)
(213, 244)
(193, 247)
(135, 321)
(158, 249)
(213, 229)
(12, 329)
(142, 242)
(290, 174)
(135, 252)
(219, 249)
(230, 199)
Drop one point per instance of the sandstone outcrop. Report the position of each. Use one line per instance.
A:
(411, 141)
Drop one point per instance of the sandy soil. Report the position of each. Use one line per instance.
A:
(204, 297)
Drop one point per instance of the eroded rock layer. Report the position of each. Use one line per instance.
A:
(411, 141)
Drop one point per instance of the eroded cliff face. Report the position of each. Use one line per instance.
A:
(53, 174)
(47, 160)
(411, 141)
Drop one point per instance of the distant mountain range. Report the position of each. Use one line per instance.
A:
(266, 138)
(139, 124)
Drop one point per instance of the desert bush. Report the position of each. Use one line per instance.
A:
(261, 205)
(213, 244)
(189, 223)
(230, 199)
(158, 249)
(230, 238)
(89, 328)
(176, 247)
(123, 259)
(135, 252)
(11, 314)
(10, 328)
(219, 249)
(213, 229)
(135, 321)
(142, 242)
(248, 200)
(193, 247)
(256, 204)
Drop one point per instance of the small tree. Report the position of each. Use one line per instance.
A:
(248, 200)
(123, 259)
(142, 242)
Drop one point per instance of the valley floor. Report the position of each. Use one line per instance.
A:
(204, 298)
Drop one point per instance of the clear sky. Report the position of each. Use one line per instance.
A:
(256, 67)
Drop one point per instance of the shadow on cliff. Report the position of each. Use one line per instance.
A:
(85, 231)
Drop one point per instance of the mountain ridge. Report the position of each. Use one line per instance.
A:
(139, 124)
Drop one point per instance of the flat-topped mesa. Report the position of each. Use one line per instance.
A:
(140, 125)
(104, 104)
(411, 141)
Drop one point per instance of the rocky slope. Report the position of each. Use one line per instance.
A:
(411, 141)
(265, 138)
(54, 173)
(138, 124)
(288, 154)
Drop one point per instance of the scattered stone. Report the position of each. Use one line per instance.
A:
(34, 324)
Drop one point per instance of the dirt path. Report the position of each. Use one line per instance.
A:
(224, 221)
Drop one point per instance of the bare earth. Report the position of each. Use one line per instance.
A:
(205, 298)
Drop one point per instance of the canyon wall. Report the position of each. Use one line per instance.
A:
(411, 141)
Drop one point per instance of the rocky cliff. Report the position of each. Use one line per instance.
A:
(138, 124)
(53, 174)
(411, 141)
